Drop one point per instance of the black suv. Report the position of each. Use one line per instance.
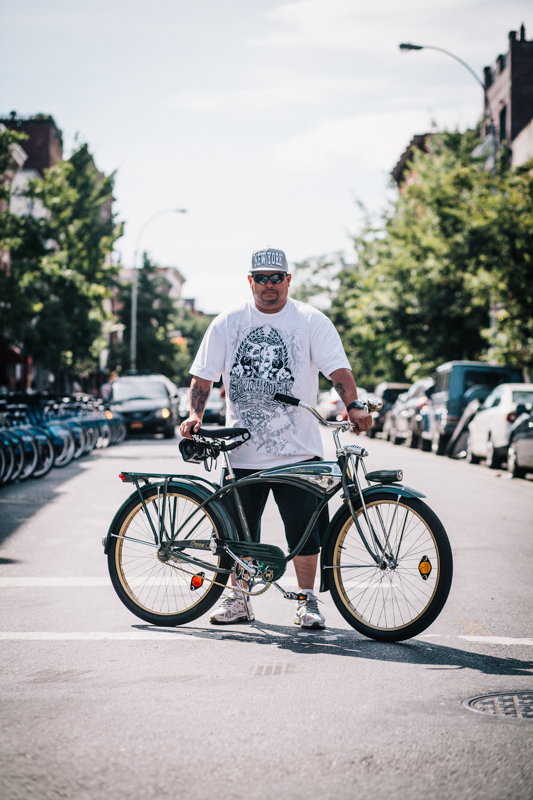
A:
(456, 384)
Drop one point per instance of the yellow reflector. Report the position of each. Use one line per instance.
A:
(165, 413)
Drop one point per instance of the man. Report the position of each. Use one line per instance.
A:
(273, 344)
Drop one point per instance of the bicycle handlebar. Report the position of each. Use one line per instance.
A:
(372, 404)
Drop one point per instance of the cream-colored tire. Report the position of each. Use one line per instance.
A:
(395, 595)
(159, 591)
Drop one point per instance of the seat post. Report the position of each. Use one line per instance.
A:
(231, 474)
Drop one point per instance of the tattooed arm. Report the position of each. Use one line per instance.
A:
(200, 391)
(344, 385)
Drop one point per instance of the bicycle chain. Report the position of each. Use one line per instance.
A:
(224, 585)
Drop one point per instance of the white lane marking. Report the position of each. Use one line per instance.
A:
(31, 582)
(6, 583)
(95, 635)
(497, 640)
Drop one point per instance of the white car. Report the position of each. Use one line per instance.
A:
(489, 431)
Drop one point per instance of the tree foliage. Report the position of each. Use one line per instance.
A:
(168, 335)
(61, 271)
(457, 242)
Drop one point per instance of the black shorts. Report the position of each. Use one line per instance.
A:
(295, 505)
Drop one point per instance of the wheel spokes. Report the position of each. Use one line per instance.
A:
(397, 594)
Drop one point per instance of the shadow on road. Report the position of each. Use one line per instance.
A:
(339, 642)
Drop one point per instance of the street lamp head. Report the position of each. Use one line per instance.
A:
(411, 47)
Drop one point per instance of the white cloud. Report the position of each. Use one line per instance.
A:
(371, 140)
(344, 23)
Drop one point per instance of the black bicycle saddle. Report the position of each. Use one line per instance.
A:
(222, 433)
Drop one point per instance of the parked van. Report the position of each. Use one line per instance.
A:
(456, 384)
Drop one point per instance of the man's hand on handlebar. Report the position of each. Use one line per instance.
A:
(360, 419)
(191, 425)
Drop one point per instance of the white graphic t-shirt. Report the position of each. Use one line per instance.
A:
(260, 354)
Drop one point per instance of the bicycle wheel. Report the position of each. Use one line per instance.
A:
(45, 450)
(64, 444)
(18, 454)
(158, 590)
(9, 458)
(403, 594)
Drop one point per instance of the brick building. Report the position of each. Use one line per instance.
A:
(509, 87)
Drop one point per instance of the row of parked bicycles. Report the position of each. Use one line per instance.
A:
(39, 432)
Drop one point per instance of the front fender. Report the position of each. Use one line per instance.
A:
(344, 512)
(201, 493)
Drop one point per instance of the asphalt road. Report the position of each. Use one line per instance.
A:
(96, 704)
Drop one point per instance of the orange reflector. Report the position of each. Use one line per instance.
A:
(122, 477)
(424, 567)
(197, 581)
(109, 415)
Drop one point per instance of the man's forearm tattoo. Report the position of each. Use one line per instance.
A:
(339, 388)
(198, 398)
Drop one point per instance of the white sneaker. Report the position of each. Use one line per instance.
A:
(232, 611)
(307, 613)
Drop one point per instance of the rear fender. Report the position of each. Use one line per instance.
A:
(201, 493)
(344, 512)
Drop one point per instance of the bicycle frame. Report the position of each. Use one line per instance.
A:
(324, 479)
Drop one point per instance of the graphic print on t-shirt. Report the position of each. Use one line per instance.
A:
(259, 370)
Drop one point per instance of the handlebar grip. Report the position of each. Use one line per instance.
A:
(286, 398)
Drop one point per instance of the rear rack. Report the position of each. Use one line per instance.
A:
(147, 477)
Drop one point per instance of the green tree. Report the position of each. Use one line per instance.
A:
(61, 265)
(457, 240)
(168, 335)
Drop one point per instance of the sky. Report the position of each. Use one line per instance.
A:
(268, 121)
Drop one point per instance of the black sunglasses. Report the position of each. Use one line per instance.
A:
(278, 277)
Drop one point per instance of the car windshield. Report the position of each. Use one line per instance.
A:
(390, 395)
(139, 390)
(523, 397)
(215, 398)
(490, 378)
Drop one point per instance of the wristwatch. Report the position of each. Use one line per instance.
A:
(356, 404)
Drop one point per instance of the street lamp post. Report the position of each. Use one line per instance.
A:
(488, 109)
(134, 291)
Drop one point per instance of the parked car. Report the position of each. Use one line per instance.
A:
(457, 383)
(329, 404)
(146, 403)
(520, 453)
(215, 409)
(489, 432)
(389, 393)
(405, 420)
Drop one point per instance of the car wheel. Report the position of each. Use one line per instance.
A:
(512, 462)
(470, 456)
(494, 461)
(170, 433)
(425, 445)
(442, 441)
(413, 441)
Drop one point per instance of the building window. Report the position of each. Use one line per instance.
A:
(503, 124)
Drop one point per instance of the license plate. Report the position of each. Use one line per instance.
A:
(136, 425)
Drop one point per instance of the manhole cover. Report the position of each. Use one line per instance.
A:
(503, 704)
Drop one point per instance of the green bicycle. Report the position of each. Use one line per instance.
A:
(386, 558)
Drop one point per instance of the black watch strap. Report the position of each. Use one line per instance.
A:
(355, 404)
